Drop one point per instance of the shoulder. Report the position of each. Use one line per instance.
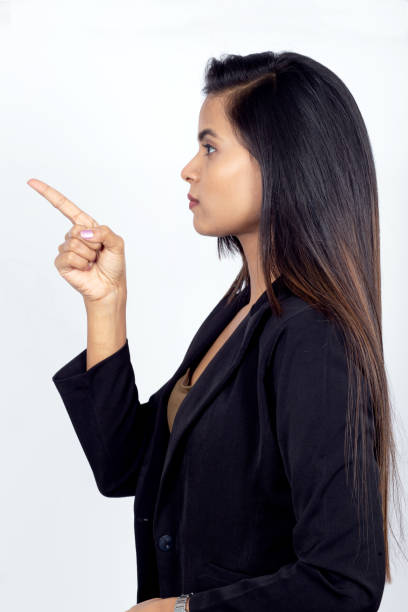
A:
(307, 372)
(303, 330)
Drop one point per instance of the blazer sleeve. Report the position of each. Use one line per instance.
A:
(113, 427)
(307, 381)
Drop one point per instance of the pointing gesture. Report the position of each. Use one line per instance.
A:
(92, 262)
(68, 208)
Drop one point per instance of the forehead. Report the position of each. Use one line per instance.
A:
(212, 115)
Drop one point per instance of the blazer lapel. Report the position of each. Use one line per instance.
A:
(220, 368)
(209, 330)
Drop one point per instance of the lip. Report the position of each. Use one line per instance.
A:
(193, 203)
(190, 197)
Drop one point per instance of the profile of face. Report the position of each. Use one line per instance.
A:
(224, 177)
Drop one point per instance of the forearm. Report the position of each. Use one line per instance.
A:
(106, 328)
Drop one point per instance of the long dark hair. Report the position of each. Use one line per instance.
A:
(319, 223)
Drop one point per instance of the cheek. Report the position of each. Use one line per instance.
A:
(242, 191)
(235, 178)
(235, 213)
(231, 197)
(242, 214)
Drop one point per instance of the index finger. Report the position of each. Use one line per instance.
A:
(57, 199)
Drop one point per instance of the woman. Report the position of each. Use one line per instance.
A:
(240, 463)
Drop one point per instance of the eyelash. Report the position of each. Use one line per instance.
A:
(208, 145)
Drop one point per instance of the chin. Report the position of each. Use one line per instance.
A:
(201, 228)
(204, 231)
(209, 229)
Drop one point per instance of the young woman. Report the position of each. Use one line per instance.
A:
(240, 463)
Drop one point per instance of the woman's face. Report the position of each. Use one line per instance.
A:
(224, 177)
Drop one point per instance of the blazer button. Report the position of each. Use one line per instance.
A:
(165, 542)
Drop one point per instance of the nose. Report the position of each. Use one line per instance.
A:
(184, 174)
(188, 172)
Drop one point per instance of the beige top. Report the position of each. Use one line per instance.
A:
(179, 391)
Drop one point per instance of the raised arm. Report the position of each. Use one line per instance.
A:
(98, 385)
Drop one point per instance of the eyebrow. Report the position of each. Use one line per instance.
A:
(206, 132)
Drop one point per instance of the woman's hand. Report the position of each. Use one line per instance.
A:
(106, 276)
(157, 604)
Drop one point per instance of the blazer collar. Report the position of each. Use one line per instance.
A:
(220, 368)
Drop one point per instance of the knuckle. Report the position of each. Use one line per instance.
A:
(60, 200)
(77, 216)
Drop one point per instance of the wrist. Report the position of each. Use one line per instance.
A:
(106, 329)
(169, 603)
(109, 313)
(111, 306)
(114, 300)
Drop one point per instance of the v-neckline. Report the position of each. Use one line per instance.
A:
(240, 301)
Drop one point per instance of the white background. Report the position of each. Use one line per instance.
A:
(100, 99)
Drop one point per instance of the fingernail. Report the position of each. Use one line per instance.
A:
(87, 233)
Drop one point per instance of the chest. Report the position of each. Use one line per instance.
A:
(217, 344)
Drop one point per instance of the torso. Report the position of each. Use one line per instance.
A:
(222, 338)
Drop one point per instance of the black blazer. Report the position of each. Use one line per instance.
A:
(245, 503)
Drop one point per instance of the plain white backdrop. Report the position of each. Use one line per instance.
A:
(100, 99)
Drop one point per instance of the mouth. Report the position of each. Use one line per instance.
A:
(193, 201)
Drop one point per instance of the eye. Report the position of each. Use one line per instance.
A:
(208, 145)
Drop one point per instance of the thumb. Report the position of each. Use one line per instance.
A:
(99, 233)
